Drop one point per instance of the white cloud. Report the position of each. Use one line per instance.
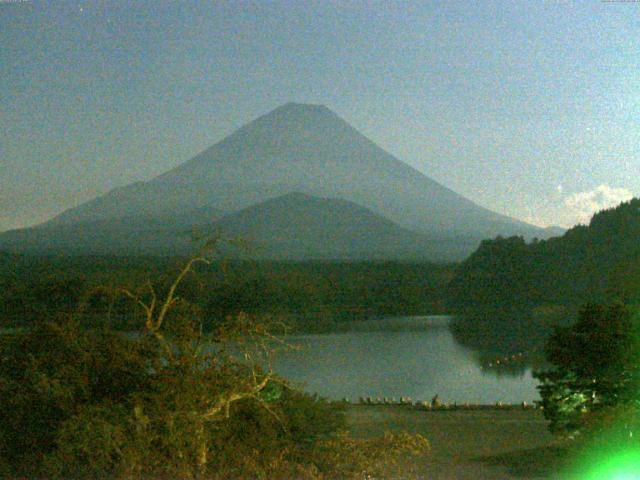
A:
(583, 205)
(535, 220)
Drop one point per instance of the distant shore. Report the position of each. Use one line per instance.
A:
(301, 324)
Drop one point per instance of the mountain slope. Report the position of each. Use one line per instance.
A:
(298, 226)
(294, 226)
(509, 295)
(294, 148)
(130, 235)
(308, 149)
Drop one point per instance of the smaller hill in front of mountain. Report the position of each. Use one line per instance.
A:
(130, 235)
(294, 226)
(297, 226)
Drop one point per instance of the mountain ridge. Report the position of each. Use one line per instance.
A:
(279, 228)
(598, 262)
(301, 139)
(307, 149)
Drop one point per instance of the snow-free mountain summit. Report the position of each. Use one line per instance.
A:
(296, 148)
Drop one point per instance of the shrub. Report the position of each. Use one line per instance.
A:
(91, 403)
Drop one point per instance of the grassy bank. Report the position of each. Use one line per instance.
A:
(469, 444)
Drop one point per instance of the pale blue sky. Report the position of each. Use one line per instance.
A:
(530, 108)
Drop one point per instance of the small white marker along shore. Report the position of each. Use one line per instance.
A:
(435, 404)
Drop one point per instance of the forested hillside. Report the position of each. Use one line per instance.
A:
(593, 263)
(510, 292)
(319, 294)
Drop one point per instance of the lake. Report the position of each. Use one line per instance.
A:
(413, 356)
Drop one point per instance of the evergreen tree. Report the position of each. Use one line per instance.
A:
(595, 368)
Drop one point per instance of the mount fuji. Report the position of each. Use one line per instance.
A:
(307, 157)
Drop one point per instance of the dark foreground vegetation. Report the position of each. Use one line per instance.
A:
(595, 374)
(85, 401)
(105, 374)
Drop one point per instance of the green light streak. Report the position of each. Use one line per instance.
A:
(624, 465)
(612, 455)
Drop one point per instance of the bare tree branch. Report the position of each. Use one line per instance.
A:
(225, 402)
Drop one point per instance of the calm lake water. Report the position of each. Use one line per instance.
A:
(415, 357)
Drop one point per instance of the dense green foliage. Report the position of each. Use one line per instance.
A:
(595, 369)
(510, 292)
(317, 295)
(58, 371)
(595, 263)
(94, 404)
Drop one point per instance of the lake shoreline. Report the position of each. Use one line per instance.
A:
(484, 444)
(380, 359)
(426, 406)
(302, 325)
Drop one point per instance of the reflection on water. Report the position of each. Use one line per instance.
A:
(507, 341)
(419, 362)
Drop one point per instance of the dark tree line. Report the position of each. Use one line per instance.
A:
(323, 293)
(595, 263)
(510, 292)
